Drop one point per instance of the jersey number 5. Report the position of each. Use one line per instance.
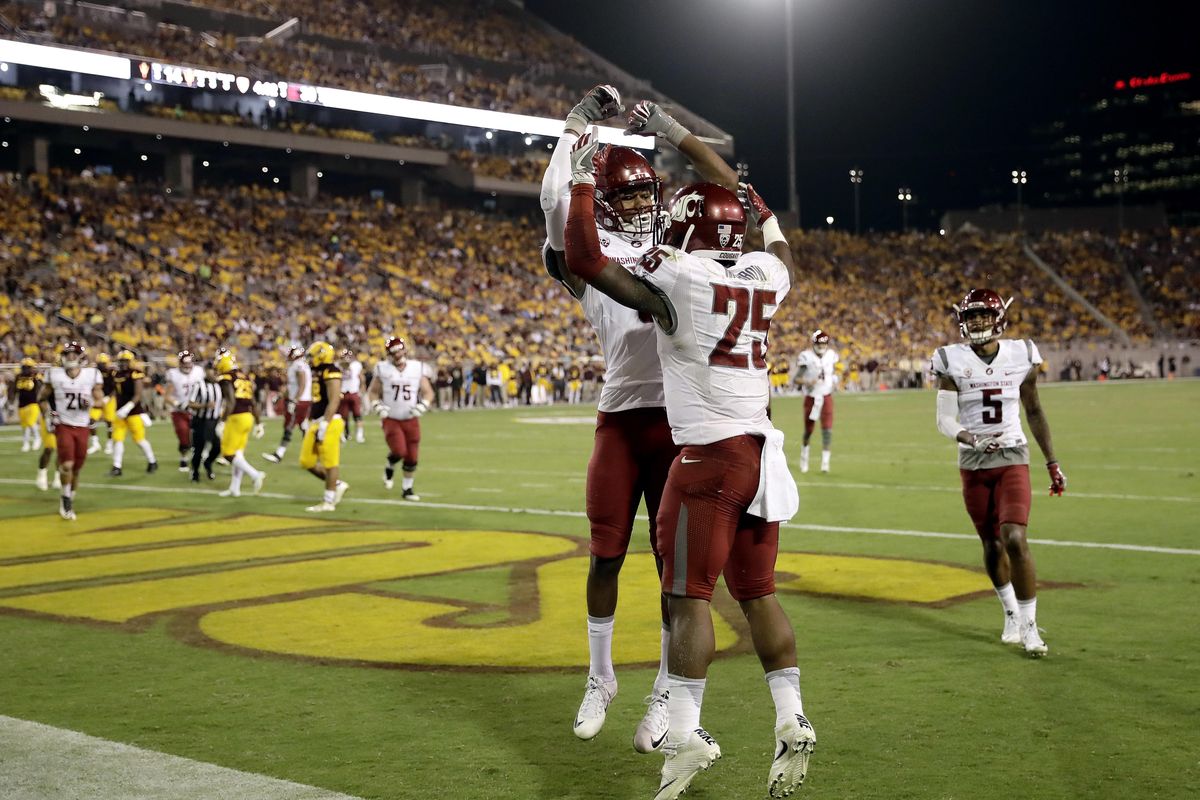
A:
(993, 409)
(746, 304)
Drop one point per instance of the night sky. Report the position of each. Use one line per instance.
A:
(936, 95)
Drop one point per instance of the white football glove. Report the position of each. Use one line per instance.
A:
(124, 410)
(419, 408)
(147, 420)
(260, 430)
(649, 119)
(986, 443)
(600, 103)
(322, 426)
(380, 408)
(220, 429)
(583, 154)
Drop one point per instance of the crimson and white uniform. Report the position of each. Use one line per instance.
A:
(299, 391)
(819, 396)
(351, 405)
(400, 389)
(72, 404)
(713, 518)
(182, 385)
(995, 485)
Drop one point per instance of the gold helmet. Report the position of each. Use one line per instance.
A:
(28, 365)
(125, 357)
(103, 359)
(320, 353)
(226, 363)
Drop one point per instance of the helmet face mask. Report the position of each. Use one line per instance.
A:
(820, 342)
(628, 195)
(982, 316)
(186, 361)
(397, 352)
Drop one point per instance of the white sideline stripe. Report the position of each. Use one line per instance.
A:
(45, 763)
(820, 484)
(550, 512)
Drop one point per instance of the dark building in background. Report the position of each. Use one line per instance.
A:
(1137, 143)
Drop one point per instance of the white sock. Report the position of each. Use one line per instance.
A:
(68, 491)
(41, 473)
(804, 452)
(57, 480)
(279, 451)
(683, 706)
(660, 680)
(118, 454)
(26, 435)
(785, 691)
(147, 449)
(406, 482)
(600, 635)
(235, 479)
(1028, 611)
(329, 496)
(1008, 599)
(824, 458)
(240, 461)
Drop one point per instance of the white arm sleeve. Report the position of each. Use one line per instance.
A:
(556, 193)
(947, 414)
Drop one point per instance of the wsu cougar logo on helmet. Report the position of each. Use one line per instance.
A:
(707, 220)
(687, 207)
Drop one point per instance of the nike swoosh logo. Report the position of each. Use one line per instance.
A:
(656, 743)
(686, 460)
(782, 750)
(1006, 372)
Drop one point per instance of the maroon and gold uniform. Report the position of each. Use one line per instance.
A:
(125, 383)
(240, 421)
(328, 451)
(28, 385)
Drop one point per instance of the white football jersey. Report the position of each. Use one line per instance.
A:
(714, 357)
(400, 389)
(73, 396)
(989, 395)
(182, 383)
(352, 377)
(820, 366)
(299, 381)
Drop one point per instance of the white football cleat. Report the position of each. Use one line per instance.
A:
(684, 761)
(321, 507)
(64, 508)
(594, 707)
(795, 740)
(272, 457)
(359, 438)
(258, 482)
(409, 494)
(804, 459)
(339, 491)
(388, 483)
(1032, 641)
(43, 480)
(94, 447)
(228, 493)
(108, 445)
(57, 482)
(25, 448)
(1012, 629)
(651, 732)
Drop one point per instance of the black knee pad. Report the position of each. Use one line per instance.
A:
(410, 466)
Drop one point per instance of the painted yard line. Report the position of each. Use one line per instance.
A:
(550, 512)
(46, 763)
(820, 484)
(1074, 467)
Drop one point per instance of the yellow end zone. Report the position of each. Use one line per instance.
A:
(273, 584)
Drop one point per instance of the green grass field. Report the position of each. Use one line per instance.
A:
(437, 650)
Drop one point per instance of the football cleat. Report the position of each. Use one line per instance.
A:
(388, 483)
(195, 477)
(64, 508)
(804, 460)
(359, 437)
(183, 466)
(94, 447)
(108, 446)
(1032, 641)
(25, 447)
(229, 493)
(223, 461)
(152, 466)
(339, 491)
(208, 473)
(258, 482)
(684, 761)
(651, 732)
(274, 459)
(1012, 629)
(115, 472)
(321, 508)
(409, 494)
(43, 480)
(795, 741)
(592, 711)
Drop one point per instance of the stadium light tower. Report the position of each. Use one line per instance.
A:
(856, 176)
(1020, 178)
(904, 195)
(1121, 178)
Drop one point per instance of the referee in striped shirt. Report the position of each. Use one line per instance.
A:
(205, 405)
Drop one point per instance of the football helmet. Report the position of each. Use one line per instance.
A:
(125, 357)
(628, 195)
(706, 220)
(28, 365)
(186, 358)
(347, 355)
(320, 353)
(982, 316)
(820, 342)
(225, 363)
(72, 355)
(397, 350)
(103, 360)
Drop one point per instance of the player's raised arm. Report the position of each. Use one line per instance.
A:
(584, 257)
(1040, 429)
(764, 218)
(648, 119)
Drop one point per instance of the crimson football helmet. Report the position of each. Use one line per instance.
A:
(186, 358)
(820, 342)
(72, 355)
(624, 179)
(706, 220)
(982, 316)
(294, 352)
(396, 350)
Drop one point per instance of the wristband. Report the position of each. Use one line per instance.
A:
(771, 233)
(675, 133)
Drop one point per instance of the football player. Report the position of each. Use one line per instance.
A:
(239, 417)
(817, 373)
(982, 386)
(181, 382)
(29, 385)
(129, 382)
(400, 393)
(351, 406)
(633, 451)
(66, 398)
(321, 450)
(729, 487)
(296, 403)
(106, 411)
